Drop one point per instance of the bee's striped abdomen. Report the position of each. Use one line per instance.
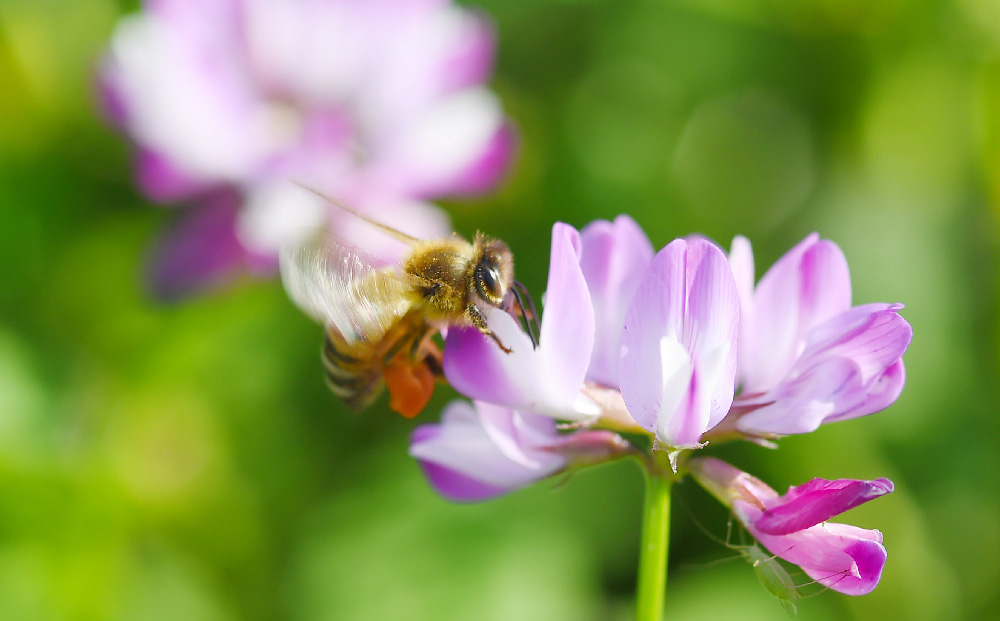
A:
(353, 373)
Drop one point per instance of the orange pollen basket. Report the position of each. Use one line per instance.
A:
(410, 385)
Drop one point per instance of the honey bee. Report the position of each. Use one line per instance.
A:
(380, 320)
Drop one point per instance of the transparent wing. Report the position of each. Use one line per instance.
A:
(337, 284)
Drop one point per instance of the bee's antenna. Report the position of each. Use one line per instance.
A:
(517, 289)
(401, 236)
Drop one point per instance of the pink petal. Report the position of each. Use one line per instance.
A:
(547, 379)
(200, 252)
(845, 558)
(472, 52)
(879, 394)
(478, 452)
(851, 367)
(807, 286)
(489, 168)
(164, 180)
(613, 261)
(678, 354)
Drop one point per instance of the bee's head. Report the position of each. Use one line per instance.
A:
(494, 269)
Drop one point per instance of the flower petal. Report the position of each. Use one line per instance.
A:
(807, 286)
(844, 558)
(685, 307)
(435, 149)
(548, 379)
(851, 367)
(485, 172)
(817, 501)
(482, 451)
(614, 259)
(201, 251)
(164, 180)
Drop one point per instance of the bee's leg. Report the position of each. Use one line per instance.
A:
(479, 321)
(426, 351)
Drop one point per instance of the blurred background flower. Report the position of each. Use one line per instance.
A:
(379, 104)
(188, 462)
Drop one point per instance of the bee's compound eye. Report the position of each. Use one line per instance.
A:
(488, 284)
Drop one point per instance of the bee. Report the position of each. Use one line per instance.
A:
(380, 320)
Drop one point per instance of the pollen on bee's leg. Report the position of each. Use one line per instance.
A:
(410, 386)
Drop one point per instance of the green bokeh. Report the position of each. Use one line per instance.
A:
(186, 461)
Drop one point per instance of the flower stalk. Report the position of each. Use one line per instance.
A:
(655, 545)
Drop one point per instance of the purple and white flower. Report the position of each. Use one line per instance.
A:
(844, 558)
(379, 104)
(806, 356)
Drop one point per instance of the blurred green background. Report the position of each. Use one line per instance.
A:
(187, 462)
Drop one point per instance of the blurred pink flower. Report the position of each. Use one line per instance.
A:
(379, 103)
(845, 558)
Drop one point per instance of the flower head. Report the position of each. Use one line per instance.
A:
(377, 103)
(845, 558)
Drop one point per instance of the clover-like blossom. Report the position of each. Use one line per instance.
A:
(678, 351)
(481, 450)
(806, 356)
(544, 380)
(844, 558)
(378, 103)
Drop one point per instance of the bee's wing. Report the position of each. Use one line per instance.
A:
(339, 285)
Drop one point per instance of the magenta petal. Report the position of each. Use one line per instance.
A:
(678, 354)
(544, 380)
(162, 179)
(845, 558)
(614, 259)
(817, 501)
(201, 251)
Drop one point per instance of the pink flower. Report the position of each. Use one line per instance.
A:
(806, 357)
(845, 558)
(678, 351)
(379, 103)
(482, 450)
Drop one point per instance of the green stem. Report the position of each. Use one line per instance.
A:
(652, 587)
